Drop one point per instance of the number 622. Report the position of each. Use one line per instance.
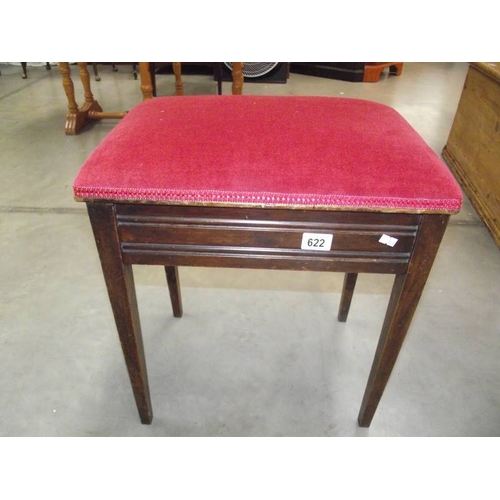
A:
(316, 242)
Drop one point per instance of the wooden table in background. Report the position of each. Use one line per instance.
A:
(90, 110)
(78, 117)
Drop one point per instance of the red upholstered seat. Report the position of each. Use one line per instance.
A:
(332, 153)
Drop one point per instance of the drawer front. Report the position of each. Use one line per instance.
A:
(224, 236)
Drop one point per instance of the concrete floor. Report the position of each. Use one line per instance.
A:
(257, 353)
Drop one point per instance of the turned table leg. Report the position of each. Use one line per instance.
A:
(120, 284)
(75, 119)
(403, 302)
(179, 87)
(146, 83)
(91, 107)
(90, 103)
(91, 110)
(347, 293)
(237, 74)
(68, 86)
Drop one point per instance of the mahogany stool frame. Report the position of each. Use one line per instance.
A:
(129, 233)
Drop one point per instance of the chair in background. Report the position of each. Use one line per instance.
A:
(24, 66)
(147, 72)
(114, 68)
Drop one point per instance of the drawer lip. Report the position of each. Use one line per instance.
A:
(235, 224)
(258, 215)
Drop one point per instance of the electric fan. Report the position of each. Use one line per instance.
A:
(255, 69)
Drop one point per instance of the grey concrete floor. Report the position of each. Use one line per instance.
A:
(257, 353)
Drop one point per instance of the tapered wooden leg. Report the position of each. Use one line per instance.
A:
(174, 288)
(120, 284)
(347, 292)
(25, 71)
(404, 299)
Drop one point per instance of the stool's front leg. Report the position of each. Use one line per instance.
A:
(120, 284)
(404, 299)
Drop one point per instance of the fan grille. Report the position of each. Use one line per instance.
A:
(255, 69)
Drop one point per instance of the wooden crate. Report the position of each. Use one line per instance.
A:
(473, 147)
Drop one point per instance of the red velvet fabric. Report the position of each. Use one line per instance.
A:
(265, 150)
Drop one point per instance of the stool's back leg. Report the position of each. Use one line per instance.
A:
(347, 292)
(174, 288)
(120, 284)
(404, 299)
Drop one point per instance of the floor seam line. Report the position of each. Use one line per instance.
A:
(25, 86)
(42, 210)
